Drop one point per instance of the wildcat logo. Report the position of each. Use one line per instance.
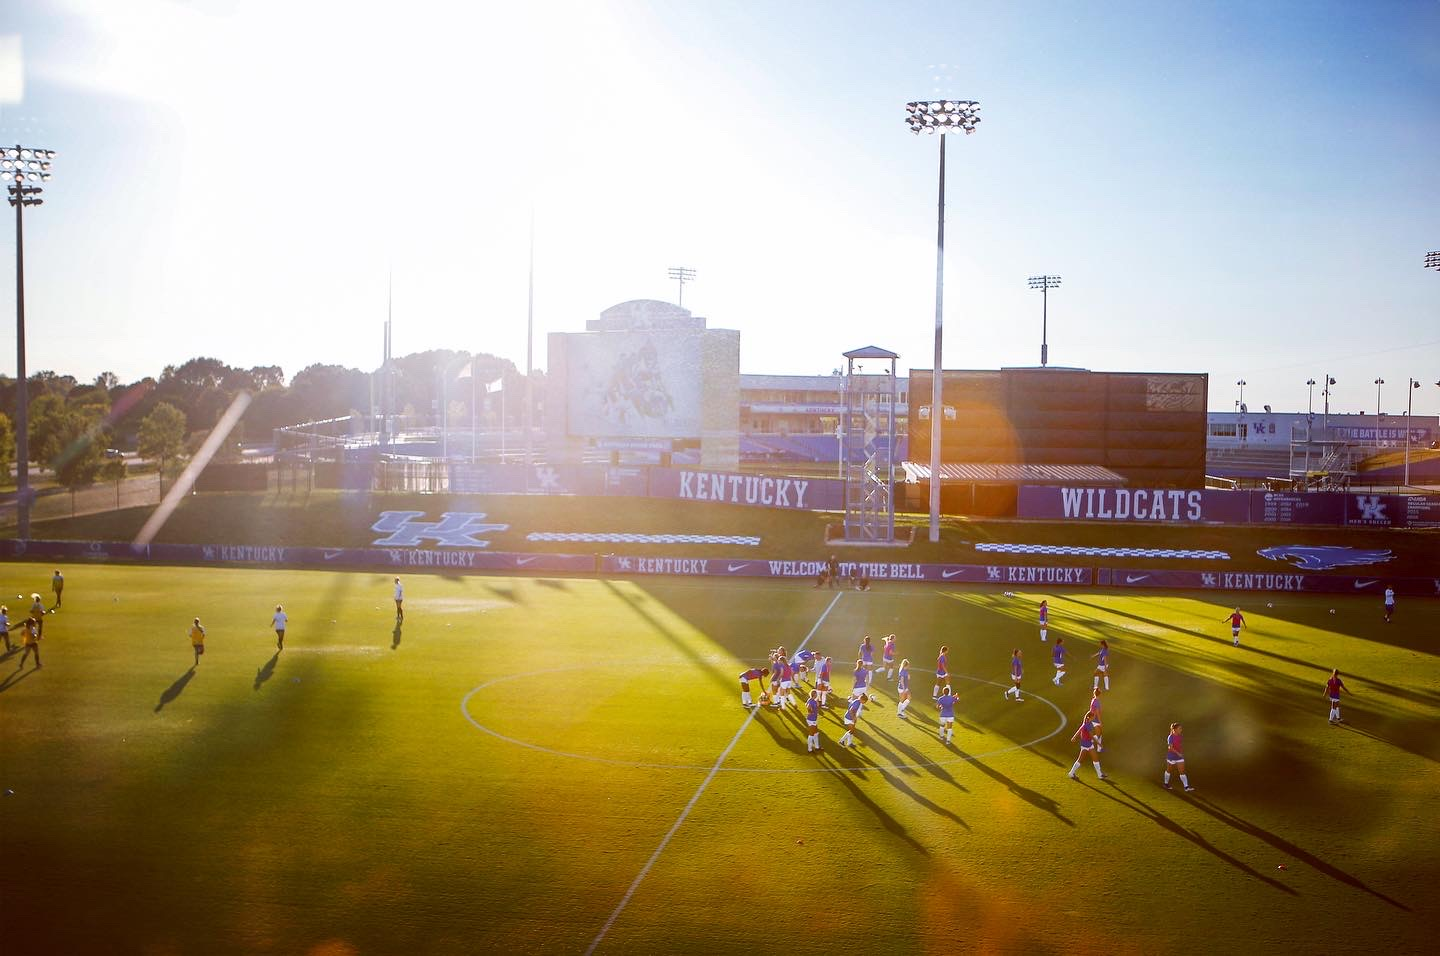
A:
(453, 530)
(1325, 557)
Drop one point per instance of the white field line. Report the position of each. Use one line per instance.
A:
(749, 718)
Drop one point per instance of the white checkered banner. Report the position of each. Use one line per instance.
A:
(1103, 552)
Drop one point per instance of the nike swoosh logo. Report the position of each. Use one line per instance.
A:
(737, 567)
(950, 574)
(521, 562)
(1132, 578)
(332, 555)
(1366, 584)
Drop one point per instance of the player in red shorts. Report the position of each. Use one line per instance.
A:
(755, 674)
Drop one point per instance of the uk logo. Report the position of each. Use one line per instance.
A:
(1324, 557)
(548, 477)
(455, 529)
(994, 573)
(1370, 508)
(1209, 580)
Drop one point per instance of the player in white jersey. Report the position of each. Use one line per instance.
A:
(399, 600)
(1389, 604)
(278, 622)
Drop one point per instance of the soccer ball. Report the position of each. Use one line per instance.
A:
(764, 699)
(1268, 604)
(1332, 610)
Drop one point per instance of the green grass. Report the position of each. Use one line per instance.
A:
(337, 797)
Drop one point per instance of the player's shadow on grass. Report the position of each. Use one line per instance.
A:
(1160, 819)
(773, 725)
(395, 634)
(266, 672)
(1032, 797)
(552, 583)
(175, 689)
(505, 594)
(14, 678)
(708, 666)
(860, 797)
(925, 802)
(1285, 846)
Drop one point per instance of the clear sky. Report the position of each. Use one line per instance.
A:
(1239, 188)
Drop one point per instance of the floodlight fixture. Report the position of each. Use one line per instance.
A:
(20, 165)
(1044, 283)
(939, 116)
(1432, 260)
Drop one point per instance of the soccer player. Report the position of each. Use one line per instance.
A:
(37, 613)
(1237, 621)
(947, 700)
(862, 582)
(812, 722)
(399, 600)
(31, 640)
(867, 654)
(802, 662)
(822, 682)
(1333, 687)
(902, 689)
(888, 656)
(1095, 719)
(1085, 733)
(787, 683)
(1389, 603)
(852, 718)
(1175, 758)
(278, 622)
(862, 678)
(1057, 657)
(1102, 664)
(57, 584)
(5, 628)
(197, 640)
(1044, 618)
(1017, 671)
(942, 671)
(755, 674)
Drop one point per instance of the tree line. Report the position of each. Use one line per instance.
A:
(73, 424)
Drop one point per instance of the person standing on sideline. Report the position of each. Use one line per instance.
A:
(5, 628)
(755, 674)
(31, 640)
(399, 600)
(1333, 687)
(57, 584)
(278, 622)
(852, 719)
(1102, 664)
(1389, 602)
(1017, 671)
(197, 640)
(1175, 758)
(902, 689)
(947, 701)
(1237, 621)
(1044, 618)
(1057, 657)
(942, 671)
(832, 571)
(1085, 733)
(889, 657)
(812, 722)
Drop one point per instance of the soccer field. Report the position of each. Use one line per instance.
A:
(551, 765)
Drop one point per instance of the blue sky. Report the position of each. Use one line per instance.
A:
(1241, 189)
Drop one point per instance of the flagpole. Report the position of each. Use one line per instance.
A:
(472, 408)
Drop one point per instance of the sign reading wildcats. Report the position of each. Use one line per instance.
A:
(453, 530)
(1138, 504)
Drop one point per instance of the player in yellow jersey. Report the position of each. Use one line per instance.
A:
(32, 642)
(197, 639)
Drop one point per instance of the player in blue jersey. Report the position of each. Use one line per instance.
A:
(1044, 618)
(942, 671)
(1175, 758)
(5, 628)
(803, 661)
(812, 722)
(1095, 719)
(889, 657)
(1017, 671)
(902, 690)
(862, 678)
(756, 674)
(1057, 657)
(867, 655)
(1086, 735)
(852, 719)
(946, 701)
(1102, 664)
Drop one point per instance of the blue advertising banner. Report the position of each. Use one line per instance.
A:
(876, 570)
(1157, 505)
(1266, 581)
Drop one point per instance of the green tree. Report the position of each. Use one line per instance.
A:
(162, 436)
(114, 470)
(77, 461)
(47, 425)
(7, 445)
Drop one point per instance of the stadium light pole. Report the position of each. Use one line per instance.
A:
(1309, 427)
(1325, 393)
(682, 275)
(1378, 382)
(1409, 408)
(20, 165)
(1044, 284)
(939, 117)
(1240, 409)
